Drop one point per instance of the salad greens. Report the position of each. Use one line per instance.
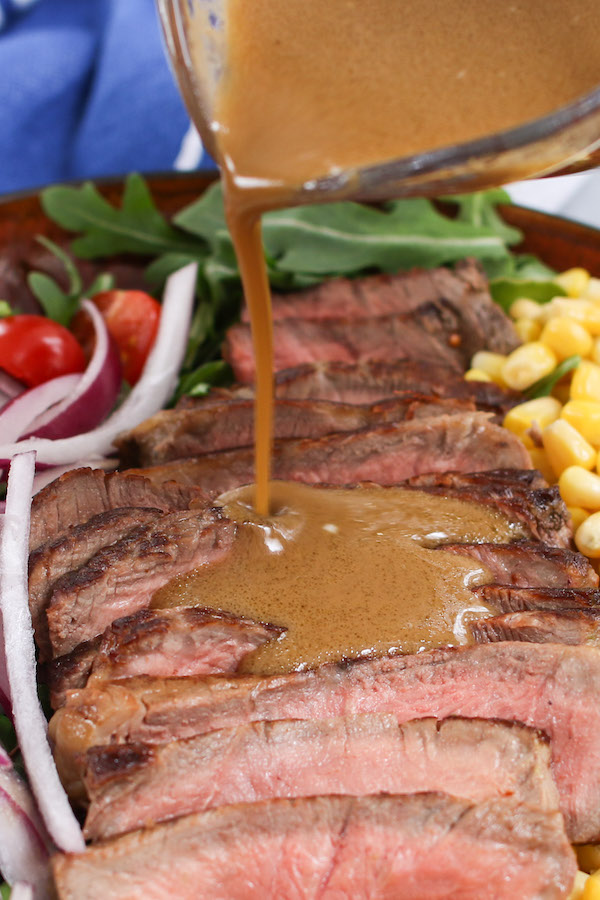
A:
(303, 246)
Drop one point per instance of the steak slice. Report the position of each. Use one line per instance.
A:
(515, 599)
(530, 564)
(384, 455)
(434, 332)
(121, 579)
(133, 785)
(524, 479)
(72, 550)
(408, 847)
(82, 493)
(167, 642)
(210, 427)
(567, 626)
(549, 687)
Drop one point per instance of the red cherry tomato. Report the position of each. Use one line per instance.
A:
(132, 318)
(34, 349)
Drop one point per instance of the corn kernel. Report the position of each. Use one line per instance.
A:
(476, 375)
(542, 411)
(595, 354)
(523, 308)
(539, 461)
(584, 415)
(491, 363)
(574, 281)
(525, 365)
(578, 487)
(566, 337)
(592, 291)
(588, 857)
(528, 329)
(578, 517)
(565, 447)
(583, 311)
(591, 890)
(581, 880)
(585, 384)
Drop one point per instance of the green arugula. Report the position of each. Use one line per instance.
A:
(544, 386)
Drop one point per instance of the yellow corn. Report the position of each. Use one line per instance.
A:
(476, 375)
(581, 880)
(491, 363)
(595, 354)
(592, 291)
(585, 383)
(566, 337)
(591, 890)
(574, 281)
(539, 460)
(527, 364)
(578, 517)
(541, 412)
(525, 309)
(565, 447)
(584, 415)
(583, 311)
(528, 329)
(588, 857)
(579, 487)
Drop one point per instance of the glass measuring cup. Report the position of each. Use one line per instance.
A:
(567, 137)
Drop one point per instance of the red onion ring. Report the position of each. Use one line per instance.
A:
(95, 394)
(150, 394)
(19, 653)
(21, 412)
(9, 388)
(22, 891)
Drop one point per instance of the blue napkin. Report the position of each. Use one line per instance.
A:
(86, 91)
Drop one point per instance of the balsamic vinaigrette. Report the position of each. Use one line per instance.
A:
(312, 88)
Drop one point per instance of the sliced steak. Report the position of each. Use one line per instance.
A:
(82, 493)
(210, 427)
(70, 551)
(409, 847)
(133, 785)
(524, 479)
(529, 564)
(121, 579)
(567, 626)
(515, 599)
(550, 687)
(434, 332)
(167, 642)
(384, 455)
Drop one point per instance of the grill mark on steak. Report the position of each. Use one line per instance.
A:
(121, 579)
(525, 479)
(82, 493)
(330, 847)
(434, 332)
(133, 784)
(529, 564)
(162, 643)
(207, 428)
(566, 626)
(516, 599)
(70, 551)
(385, 455)
(549, 687)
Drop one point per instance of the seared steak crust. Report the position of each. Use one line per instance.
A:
(567, 626)
(515, 599)
(120, 579)
(550, 687)
(325, 848)
(133, 785)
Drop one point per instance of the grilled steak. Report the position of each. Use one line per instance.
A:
(178, 641)
(133, 785)
(465, 288)
(567, 626)
(550, 687)
(385, 455)
(514, 599)
(210, 427)
(523, 479)
(408, 847)
(72, 550)
(120, 579)
(434, 332)
(82, 493)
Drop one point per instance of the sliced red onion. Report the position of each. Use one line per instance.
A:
(95, 395)
(47, 475)
(150, 394)
(24, 843)
(22, 891)
(9, 387)
(19, 652)
(18, 415)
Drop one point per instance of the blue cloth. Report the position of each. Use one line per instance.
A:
(85, 91)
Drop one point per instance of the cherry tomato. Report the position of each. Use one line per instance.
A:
(34, 349)
(132, 318)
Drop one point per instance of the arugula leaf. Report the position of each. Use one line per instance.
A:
(5, 891)
(506, 290)
(5, 309)
(137, 227)
(544, 386)
(199, 382)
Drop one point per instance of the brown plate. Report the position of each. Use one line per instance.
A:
(558, 242)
